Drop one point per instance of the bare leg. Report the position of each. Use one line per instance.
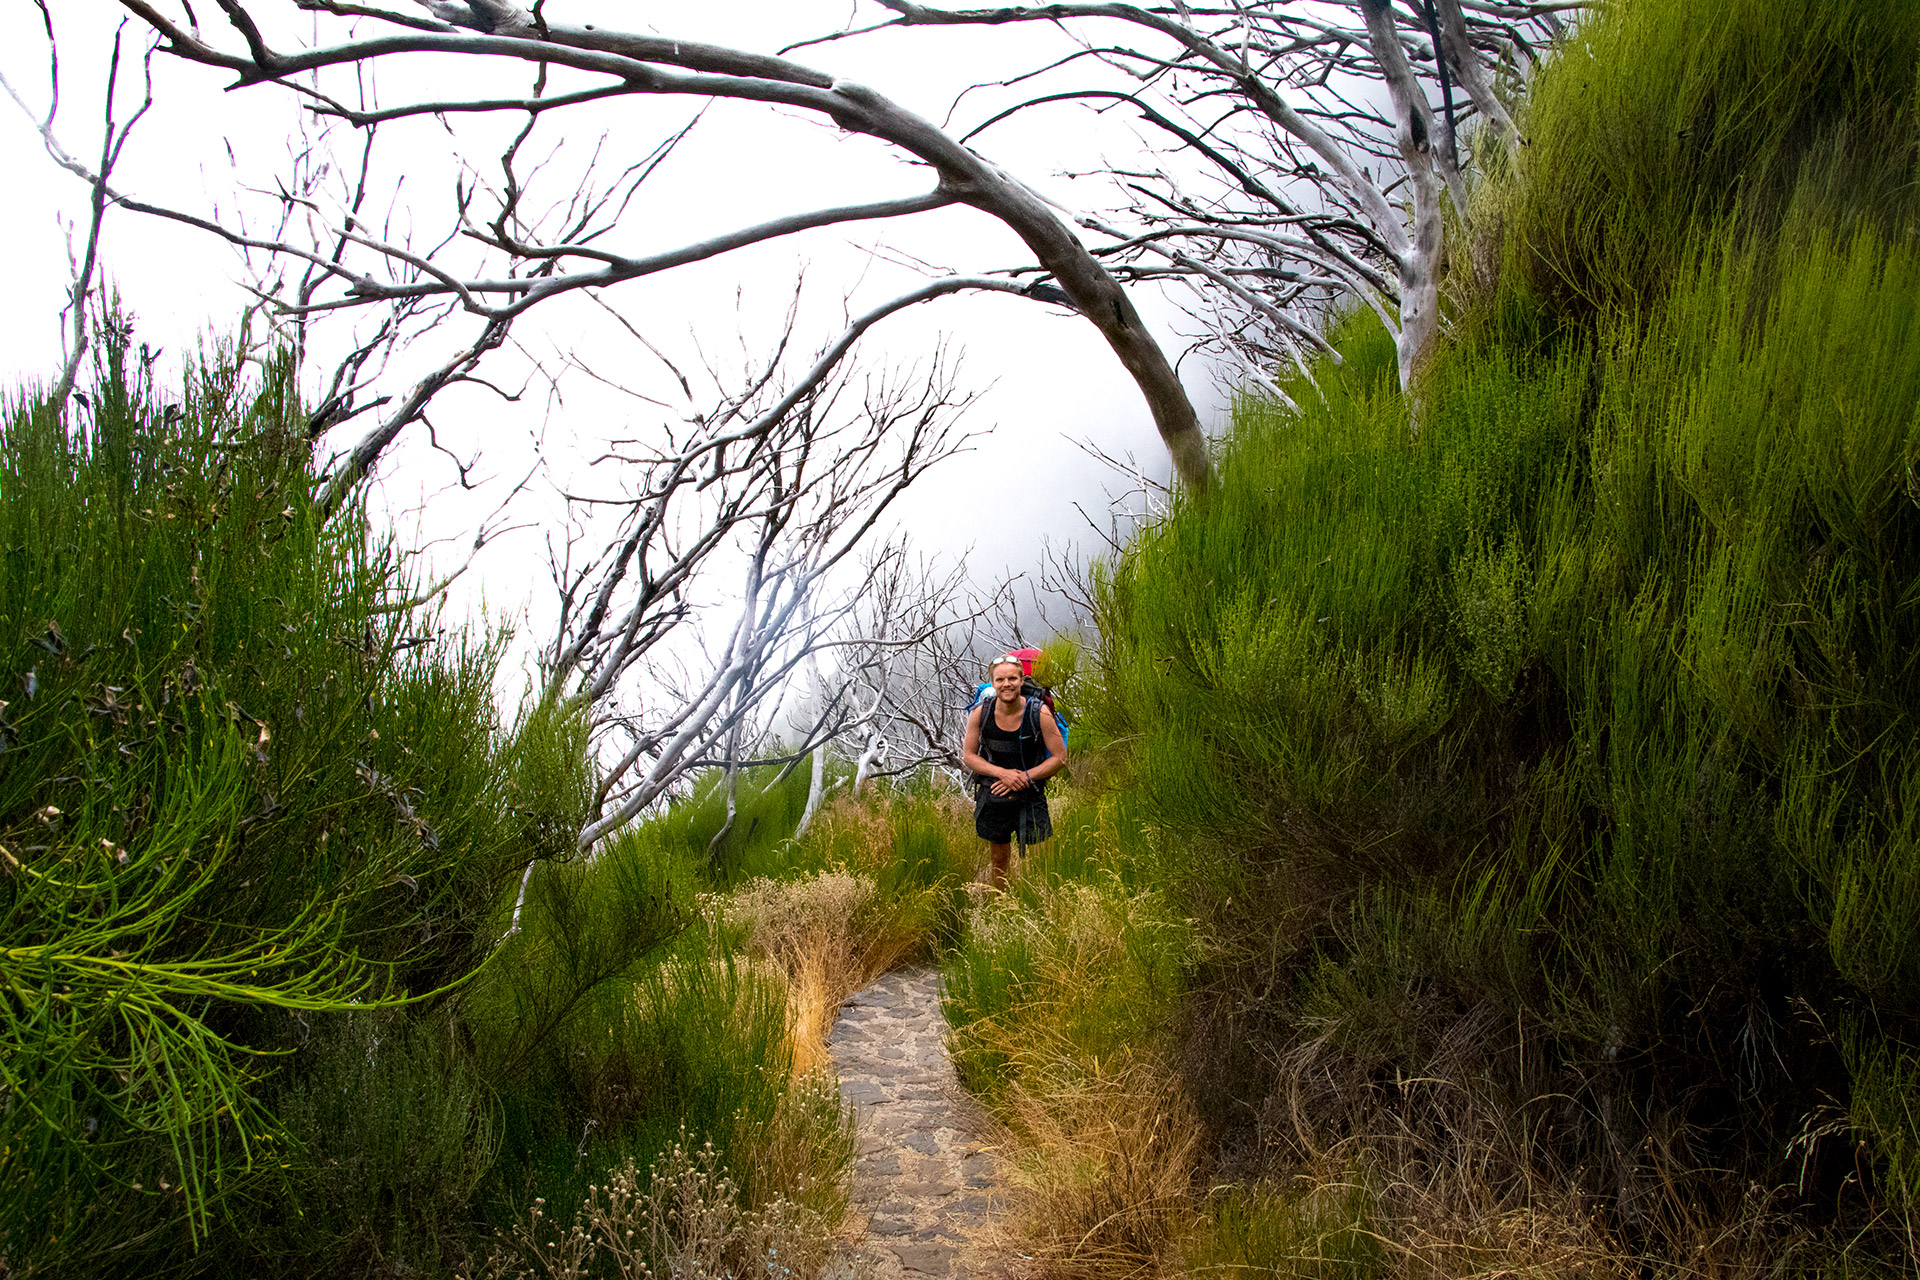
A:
(1000, 852)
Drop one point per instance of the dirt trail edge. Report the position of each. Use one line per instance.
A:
(927, 1186)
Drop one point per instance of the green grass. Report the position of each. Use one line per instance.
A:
(1325, 1233)
(1079, 961)
(767, 809)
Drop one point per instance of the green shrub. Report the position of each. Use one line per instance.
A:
(240, 794)
(1559, 745)
(270, 1007)
(1325, 1233)
(767, 808)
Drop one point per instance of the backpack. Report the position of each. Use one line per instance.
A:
(1036, 694)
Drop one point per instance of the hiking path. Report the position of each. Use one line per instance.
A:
(927, 1186)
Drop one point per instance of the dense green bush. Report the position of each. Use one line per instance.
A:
(240, 794)
(269, 1009)
(768, 802)
(1553, 744)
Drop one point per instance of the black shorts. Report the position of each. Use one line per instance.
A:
(1002, 819)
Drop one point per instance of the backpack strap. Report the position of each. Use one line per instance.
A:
(1030, 727)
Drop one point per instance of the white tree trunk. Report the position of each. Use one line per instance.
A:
(1417, 136)
(513, 925)
(876, 745)
(816, 790)
(733, 791)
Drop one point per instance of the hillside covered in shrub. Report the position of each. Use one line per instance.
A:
(1492, 847)
(1537, 754)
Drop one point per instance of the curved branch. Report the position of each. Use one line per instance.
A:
(361, 119)
(835, 353)
(361, 459)
(636, 60)
(1262, 95)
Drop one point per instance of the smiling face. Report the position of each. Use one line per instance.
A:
(1007, 678)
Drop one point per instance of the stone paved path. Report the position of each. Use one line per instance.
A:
(926, 1184)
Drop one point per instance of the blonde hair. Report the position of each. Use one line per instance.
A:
(1005, 659)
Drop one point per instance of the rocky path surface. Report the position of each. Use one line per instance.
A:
(926, 1185)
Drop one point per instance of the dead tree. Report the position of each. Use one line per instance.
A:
(75, 326)
(909, 689)
(718, 561)
(754, 512)
(525, 65)
(741, 516)
(1296, 127)
(911, 672)
(903, 673)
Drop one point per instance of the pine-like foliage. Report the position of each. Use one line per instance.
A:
(238, 791)
(266, 1005)
(1544, 745)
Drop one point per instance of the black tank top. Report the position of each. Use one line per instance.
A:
(1020, 748)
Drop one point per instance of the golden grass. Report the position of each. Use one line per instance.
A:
(831, 933)
(1104, 1141)
(1111, 1181)
(827, 935)
(1104, 1166)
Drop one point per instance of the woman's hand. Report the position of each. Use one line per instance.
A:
(1012, 780)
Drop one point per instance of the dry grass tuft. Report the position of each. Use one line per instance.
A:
(1105, 1166)
(828, 935)
(684, 1218)
(1061, 994)
(1459, 1186)
(1329, 1222)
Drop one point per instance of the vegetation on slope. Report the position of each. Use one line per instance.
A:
(265, 1009)
(238, 797)
(1503, 856)
(1535, 758)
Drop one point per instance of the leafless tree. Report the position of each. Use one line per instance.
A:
(905, 674)
(1296, 126)
(771, 490)
(912, 673)
(718, 561)
(528, 67)
(911, 667)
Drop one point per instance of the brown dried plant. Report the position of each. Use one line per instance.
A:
(828, 935)
(683, 1219)
(1106, 1165)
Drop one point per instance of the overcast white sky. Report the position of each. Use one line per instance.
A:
(1047, 377)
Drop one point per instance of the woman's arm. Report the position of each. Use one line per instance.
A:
(1005, 781)
(970, 750)
(1056, 747)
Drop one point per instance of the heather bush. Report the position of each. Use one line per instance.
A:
(1534, 751)
(271, 1008)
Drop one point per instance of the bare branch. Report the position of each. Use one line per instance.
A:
(1279, 103)
(649, 65)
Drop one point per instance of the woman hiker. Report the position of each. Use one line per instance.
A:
(1012, 746)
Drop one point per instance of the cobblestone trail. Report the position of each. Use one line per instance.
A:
(925, 1184)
